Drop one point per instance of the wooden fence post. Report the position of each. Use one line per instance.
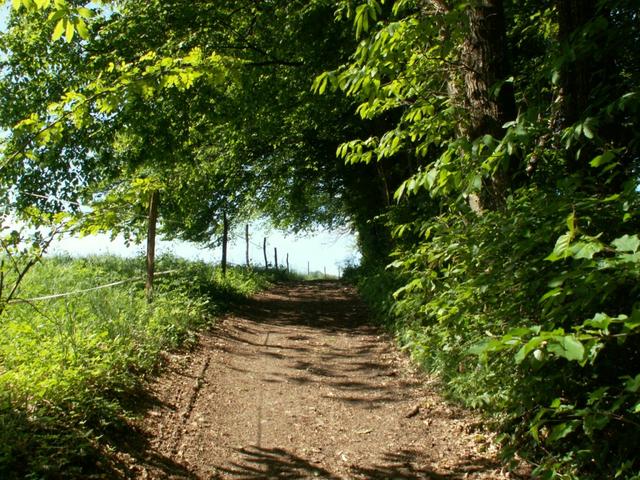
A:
(151, 243)
(225, 240)
(264, 250)
(246, 239)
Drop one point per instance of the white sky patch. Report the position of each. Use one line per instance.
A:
(316, 252)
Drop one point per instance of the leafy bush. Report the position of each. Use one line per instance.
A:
(531, 313)
(68, 364)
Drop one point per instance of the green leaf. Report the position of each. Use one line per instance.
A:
(69, 32)
(571, 224)
(593, 423)
(597, 395)
(587, 128)
(562, 430)
(320, 83)
(586, 249)
(528, 347)
(627, 243)
(59, 29)
(85, 12)
(600, 321)
(551, 293)
(561, 249)
(587, 132)
(568, 347)
(603, 159)
(633, 384)
(82, 29)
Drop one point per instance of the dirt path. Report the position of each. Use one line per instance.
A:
(297, 385)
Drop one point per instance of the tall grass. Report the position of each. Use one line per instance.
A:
(68, 365)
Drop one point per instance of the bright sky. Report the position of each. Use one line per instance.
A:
(330, 250)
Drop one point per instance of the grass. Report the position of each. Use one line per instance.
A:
(68, 366)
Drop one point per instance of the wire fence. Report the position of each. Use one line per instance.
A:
(261, 246)
(85, 290)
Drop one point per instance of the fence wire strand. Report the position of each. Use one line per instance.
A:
(85, 290)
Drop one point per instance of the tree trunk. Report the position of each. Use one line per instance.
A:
(287, 263)
(489, 102)
(275, 255)
(587, 63)
(225, 240)
(575, 75)
(486, 64)
(151, 243)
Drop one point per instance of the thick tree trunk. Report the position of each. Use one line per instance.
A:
(488, 99)
(486, 64)
(151, 243)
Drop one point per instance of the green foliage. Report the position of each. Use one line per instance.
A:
(220, 129)
(493, 164)
(515, 249)
(69, 364)
(533, 329)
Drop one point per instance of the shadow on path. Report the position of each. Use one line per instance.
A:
(276, 463)
(307, 342)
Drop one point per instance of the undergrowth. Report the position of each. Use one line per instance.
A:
(531, 314)
(69, 366)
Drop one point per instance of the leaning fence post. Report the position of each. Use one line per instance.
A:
(225, 241)
(246, 239)
(151, 243)
(264, 250)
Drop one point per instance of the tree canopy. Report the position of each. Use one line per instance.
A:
(485, 152)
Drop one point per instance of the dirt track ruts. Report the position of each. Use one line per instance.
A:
(298, 384)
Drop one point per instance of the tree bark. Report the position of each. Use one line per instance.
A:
(488, 99)
(151, 243)
(486, 64)
(275, 255)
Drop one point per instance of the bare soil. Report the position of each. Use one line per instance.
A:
(297, 383)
